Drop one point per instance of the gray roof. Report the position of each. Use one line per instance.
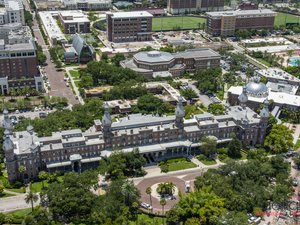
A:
(242, 12)
(154, 56)
(139, 120)
(197, 53)
(78, 44)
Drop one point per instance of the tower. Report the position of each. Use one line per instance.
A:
(243, 98)
(7, 124)
(106, 125)
(264, 117)
(179, 113)
(8, 148)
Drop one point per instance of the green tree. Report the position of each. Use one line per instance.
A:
(117, 59)
(165, 188)
(279, 139)
(31, 197)
(199, 204)
(188, 94)
(216, 109)
(150, 104)
(234, 148)
(128, 191)
(208, 146)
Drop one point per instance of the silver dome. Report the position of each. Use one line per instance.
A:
(257, 89)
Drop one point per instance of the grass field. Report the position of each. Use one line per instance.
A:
(148, 219)
(178, 164)
(4, 195)
(169, 23)
(283, 18)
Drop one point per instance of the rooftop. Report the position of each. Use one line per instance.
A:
(277, 97)
(242, 12)
(197, 53)
(72, 16)
(277, 73)
(13, 5)
(134, 14)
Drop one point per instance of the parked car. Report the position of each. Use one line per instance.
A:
(42, 115)
(146, 205)
(21, 118)
(295, 182)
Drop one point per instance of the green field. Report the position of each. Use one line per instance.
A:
(170, 23)
(283, 18)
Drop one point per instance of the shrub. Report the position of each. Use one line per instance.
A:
(222, 151)
(164, 168)
(222, 157)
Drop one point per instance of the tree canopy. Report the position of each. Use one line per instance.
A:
(279, 139)
(209, 80)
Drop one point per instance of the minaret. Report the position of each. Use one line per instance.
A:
(106, 125)
(8, 148)
(179, 113)
(7, 124)
(243, 98)
(264, 117)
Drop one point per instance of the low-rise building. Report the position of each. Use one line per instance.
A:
(158, 63)
(88, 4)
(156, 137)
(225, 23)
(80, 51)
(74, 21)
(129, 26)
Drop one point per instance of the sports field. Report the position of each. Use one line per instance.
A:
(174, 23)
(283, 18)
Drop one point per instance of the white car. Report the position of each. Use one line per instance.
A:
(146, 205)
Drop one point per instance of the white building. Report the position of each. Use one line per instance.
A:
(12, 13)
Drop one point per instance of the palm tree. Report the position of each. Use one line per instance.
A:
(31, 197)
(163, 202)
(148, 192)
(128, 191)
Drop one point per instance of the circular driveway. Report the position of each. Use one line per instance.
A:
(148, 182)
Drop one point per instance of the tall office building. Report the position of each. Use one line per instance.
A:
(129, 26)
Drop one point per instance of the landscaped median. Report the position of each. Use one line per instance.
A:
(176, 164)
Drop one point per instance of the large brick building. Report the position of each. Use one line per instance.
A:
(192, 6)
(225, 23)
(157, 137)
(129, 26)
(19, 66)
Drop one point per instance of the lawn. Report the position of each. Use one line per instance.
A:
(19, 215)
(37, 186)
(173, 23)
(283, 18)
(206, 161)
(263, 61)
(176, 164)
